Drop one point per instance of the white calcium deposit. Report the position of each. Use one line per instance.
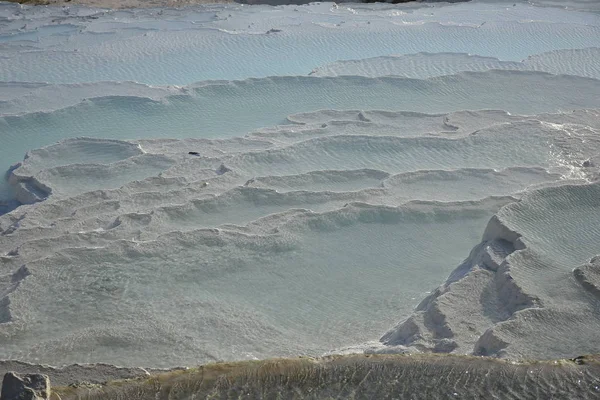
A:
(229, 182)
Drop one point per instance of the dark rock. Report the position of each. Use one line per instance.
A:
(29, 387)
(578, 360)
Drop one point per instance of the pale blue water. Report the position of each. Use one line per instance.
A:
(203, 231)
(233, 109)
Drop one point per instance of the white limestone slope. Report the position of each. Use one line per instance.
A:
(188, 194)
